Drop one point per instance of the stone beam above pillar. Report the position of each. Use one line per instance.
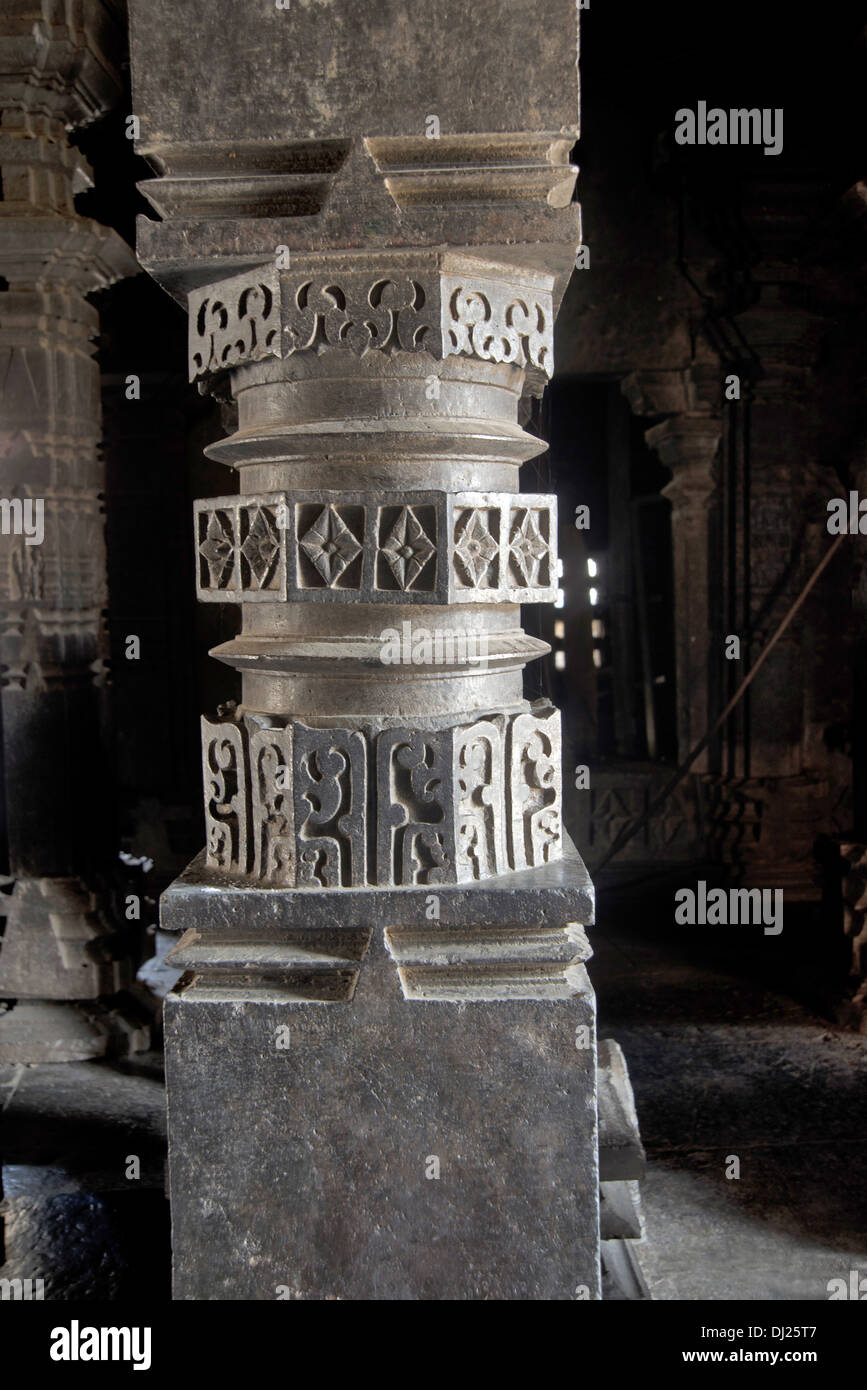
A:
(400, 126)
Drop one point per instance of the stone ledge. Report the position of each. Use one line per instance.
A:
(555, 895)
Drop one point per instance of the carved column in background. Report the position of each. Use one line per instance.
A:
(687, 441)
(775, 797)
(686, 438)
(58, 69)
(374, 1084)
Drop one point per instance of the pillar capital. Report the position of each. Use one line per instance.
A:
(419, 301)
(688, 445)
(693, 390)
(61, 61)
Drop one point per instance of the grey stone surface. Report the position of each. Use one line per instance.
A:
(96, 1247)
(622, 1276)
(758, 1076)
(59, 68)
(72, 1128)
(76, 1211)
(509, 898)
(39, 1030)
(58, 943)
(620, 1210)
(306, 1168)
(621, 1155)
(258, 175)
(385, 870)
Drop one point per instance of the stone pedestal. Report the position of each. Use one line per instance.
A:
(411, 1103)
(384, 990)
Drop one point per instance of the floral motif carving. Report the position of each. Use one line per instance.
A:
(475, 549)
(407, 548)
(330, 545)
(528, 547)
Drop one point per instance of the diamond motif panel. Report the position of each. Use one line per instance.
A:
(407, 554)
(417, 547)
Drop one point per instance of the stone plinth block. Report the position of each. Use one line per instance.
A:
(400, 1105)
(304, 1175)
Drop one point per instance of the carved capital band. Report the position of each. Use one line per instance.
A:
(271, 313)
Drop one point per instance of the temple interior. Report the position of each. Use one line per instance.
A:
(353, 326)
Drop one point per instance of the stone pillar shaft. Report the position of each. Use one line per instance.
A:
(687, 442)
(58, 70)
(383, 808)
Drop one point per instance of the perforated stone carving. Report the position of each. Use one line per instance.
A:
(485, 321)
(535, 788)
(269, 313)
(289, 804)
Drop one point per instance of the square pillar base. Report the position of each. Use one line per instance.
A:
(368, 1104)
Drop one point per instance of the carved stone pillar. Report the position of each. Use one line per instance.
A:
(777, 789)
(58, 67)
(687, 441)
(380, 1059)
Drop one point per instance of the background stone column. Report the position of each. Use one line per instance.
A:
(58, 70)
(385, 1000)
(687, 441)
(779, 780)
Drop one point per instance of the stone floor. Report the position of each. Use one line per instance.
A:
(77, 1211)
(732, 1054)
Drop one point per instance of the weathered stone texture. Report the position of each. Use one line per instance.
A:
(385, 871)
(335, 1132)
(58, 69)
